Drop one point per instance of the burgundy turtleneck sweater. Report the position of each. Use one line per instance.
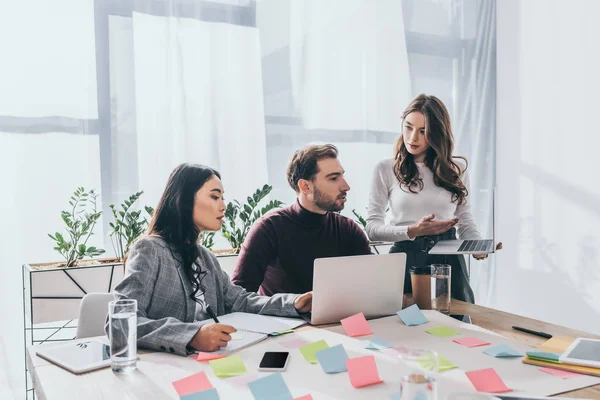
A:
(281, 247)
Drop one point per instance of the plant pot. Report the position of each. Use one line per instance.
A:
(53, 293)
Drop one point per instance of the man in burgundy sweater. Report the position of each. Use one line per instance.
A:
(281, 247)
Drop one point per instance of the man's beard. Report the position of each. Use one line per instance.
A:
(326, 203)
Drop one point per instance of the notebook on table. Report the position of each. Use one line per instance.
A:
(547, 356)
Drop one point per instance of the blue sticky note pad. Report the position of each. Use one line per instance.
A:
(209, 394)
(270, 387)
(376, 343)
(333, 359)
(395, 396)
(412, 316)
(502, 351)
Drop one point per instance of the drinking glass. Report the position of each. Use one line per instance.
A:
(122, 316)
(440, 287)
(419, 383)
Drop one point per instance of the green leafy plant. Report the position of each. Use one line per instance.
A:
(128, 225)
(207, 239)
(240, 217)
(360, 219)
(80, 221)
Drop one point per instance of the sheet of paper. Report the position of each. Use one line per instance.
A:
(502, 350)
(237, 335)
(271, 387)
(228, 366)
(192, 383)
(309, 350)
(356, 325)
(363, 371)
(560, 373)
(412, 316)
(471, 342)
(248, 339)
(333, 359)
(208, 394)
(241, 382)
(487, 380)
(294, 343)
(442, 331)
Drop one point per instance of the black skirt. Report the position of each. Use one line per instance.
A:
(417, 254)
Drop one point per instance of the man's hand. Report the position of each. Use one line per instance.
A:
(427, 226)
(212, 337)
(303, 303)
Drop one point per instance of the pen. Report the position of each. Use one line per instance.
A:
(542, 334)
(212, 314)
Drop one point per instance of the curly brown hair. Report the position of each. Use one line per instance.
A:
(438, 158)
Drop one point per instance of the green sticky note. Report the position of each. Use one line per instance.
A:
(442, 331)
(443, 364)
(309, 350)
(544, 356)
(228, 366)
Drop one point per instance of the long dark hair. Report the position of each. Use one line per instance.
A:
(173, 219)
(438, 158)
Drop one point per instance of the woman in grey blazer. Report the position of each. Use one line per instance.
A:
(174, 279)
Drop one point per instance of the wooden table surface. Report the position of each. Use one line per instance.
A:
(51, 381)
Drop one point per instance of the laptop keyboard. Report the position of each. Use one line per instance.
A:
(476, 245)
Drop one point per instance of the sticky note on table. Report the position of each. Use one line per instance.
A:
(376, 343)
(487, 380)
(270, 387)
(333, 359)
(363, 371)
(442, 331)
(192, 383)
(443, 364)
(412, 316)
(502, 350)
(208, 356)
(228, 366)
(294, 343)
(471, 342)
(305, 397)
(309, 350)
(208, 394)
(544, 356)
(560, 373)
(356, 325)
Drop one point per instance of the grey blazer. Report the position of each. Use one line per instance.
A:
(165, 317)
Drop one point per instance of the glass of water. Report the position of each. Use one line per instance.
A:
(419, 382)
(440, 287)
(122, 316)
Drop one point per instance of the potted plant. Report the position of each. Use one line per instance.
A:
(239, 218)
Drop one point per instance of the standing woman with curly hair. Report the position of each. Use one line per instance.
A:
(426, 187)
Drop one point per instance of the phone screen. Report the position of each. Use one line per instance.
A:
(274, 359)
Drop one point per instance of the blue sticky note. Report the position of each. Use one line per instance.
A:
(412, 316)
(270, 387)
(376, 343)
(333, 359)
(209, 394)
(395, 396)
(502, 351)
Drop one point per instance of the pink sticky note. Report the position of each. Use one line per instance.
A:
(208, 356)
(294, 343)
(487, 380)
(471, 342)
(559, 372)
(307, 397)
(363, 371)
(242, 381)
(191, 384)
(356, 325)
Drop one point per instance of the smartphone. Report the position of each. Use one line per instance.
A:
(462, 318)
(274, 361)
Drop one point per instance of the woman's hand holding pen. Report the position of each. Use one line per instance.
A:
(427, 226)
(211, 337)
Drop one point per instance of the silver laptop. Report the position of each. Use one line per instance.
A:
(484, 246)
(344, 286)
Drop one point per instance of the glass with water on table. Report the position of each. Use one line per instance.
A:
(122, 316)
(419, 368)
(440, 287)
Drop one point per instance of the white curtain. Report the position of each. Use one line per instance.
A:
(113, 94)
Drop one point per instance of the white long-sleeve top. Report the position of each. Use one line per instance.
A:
(407, 208)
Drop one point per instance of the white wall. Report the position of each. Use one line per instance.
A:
(548, 209)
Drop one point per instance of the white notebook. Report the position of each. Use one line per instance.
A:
(264, 324)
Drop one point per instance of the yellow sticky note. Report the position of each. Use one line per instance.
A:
(309, 350)
(442, 331)
(443, 364)
(228, 366)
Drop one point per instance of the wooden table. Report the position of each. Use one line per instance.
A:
(50, 381)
